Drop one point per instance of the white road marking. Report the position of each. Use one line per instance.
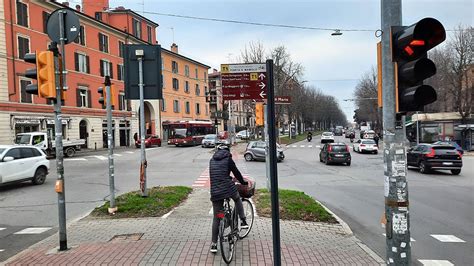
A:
(202, 178)
(2, 229)
(100, 157)
(200, 182)
(1, 250)
(310, 146)
(117, 154)
(301, 146)
(197, 185)
(436, 262)
(294, 146)
(76, 159)
(448, 238)
(33, 230)
(129, 152)
(318, 146)
(166, 215)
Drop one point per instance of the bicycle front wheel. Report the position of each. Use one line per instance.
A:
(249, 214)
(226, 241)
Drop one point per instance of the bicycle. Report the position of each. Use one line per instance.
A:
(229, 227)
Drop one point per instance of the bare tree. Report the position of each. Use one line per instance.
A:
(253, 53)
(365, 94)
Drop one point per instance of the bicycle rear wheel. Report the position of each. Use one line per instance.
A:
(226, 240)
(249, 214)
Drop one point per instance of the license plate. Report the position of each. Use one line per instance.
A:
(447, 163)
(339, 155)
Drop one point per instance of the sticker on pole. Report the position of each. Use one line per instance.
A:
(400, 223)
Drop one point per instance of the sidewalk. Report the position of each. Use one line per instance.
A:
(183, 238)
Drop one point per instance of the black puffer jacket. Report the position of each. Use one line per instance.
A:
(220, 167)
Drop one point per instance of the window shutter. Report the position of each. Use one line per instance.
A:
(101, 44)
(78, 98)
(89, 99)
(129, 105)
(111, 70)
(88, 64)
(120, 102)
(101, 68)
(119, 74)
(76, 61)
(45, 21)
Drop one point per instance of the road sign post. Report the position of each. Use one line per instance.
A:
(110, 144)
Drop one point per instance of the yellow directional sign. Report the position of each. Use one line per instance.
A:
(253, 76)
(224, 68)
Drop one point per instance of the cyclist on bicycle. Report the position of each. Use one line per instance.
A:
(223, 187)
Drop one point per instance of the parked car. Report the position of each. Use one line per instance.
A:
(22, 163)
(335, 153)
(338, 132)
(452, 143)
(244, 134)
(150, 140)
(209, 141)
(365, 145)
(256, 151)
(435, 156)
(327, 137)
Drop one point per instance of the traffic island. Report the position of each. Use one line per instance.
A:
(294, 205)
(160, 201)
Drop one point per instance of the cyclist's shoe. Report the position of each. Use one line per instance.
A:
(243, 224)
(213, 248)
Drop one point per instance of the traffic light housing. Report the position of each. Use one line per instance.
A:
(102, 97)
(410, 45)
(259, 114)
(44, 73)
(113, 96)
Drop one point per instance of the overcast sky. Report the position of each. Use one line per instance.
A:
(332, 63)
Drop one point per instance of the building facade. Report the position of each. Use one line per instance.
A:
(96, 53)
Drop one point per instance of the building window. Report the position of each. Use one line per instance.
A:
(176, 106)
(198, 90)
(106, 69)
(25, 97)
(21, 14)
(162, 81)
(198, 108)
(187, 107)
(45, 21)
(186, 86)
(205, 76)
(120, 70)
(186, 70)
(83, 97)
(122, 103)
(23, 46)
(103, 43)
(81, 38)
(121, 48)
(196, 73)
(174, 67)
(149, 32)
(175, 84)
(82, 63)
(98, 16)
(163, 105)
(207, 109)
(137, 29)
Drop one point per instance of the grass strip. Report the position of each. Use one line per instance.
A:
(294, 205)
(160, 201)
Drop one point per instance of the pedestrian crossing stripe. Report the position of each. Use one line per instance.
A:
(436, 262)
(1, 250)
(2, 228)
(448, 238)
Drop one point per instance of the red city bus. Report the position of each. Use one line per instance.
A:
(187, 133)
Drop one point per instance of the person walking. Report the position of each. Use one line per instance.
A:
(376, 139)
(222, 187)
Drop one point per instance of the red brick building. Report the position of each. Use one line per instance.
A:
(97, 52)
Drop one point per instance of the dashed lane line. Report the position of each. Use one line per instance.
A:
(448, 238)
(436, 262)
(32, 230)
(129, 152)
(76, 159)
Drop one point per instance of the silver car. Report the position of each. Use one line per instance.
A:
(256, 151)
(209, 141)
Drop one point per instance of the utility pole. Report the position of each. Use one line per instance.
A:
(140, 54)
(110, 145)
(398, 247)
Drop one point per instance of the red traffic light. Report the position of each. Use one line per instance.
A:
(414, 41)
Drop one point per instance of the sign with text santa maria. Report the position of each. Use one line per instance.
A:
(244, 81)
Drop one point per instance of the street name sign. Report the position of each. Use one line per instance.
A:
(244, 81)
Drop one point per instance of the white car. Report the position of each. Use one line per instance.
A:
(244, 134)
(327, 137)
(365, 145)
(22, 163)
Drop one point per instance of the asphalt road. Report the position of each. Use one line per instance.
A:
(24, 206)
(440, 203)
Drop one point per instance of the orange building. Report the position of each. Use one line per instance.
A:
(97, 52)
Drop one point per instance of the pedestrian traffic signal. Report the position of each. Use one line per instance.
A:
(44, 73)
(410, 45)
(259, 114)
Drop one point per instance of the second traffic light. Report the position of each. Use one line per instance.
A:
(259, 113)
(409, 51)
(103, 96)
(44, 73)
